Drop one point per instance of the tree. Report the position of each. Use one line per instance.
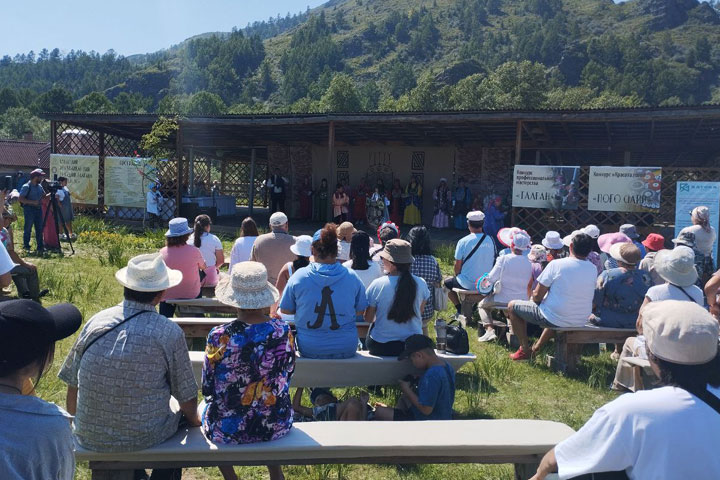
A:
(341, 95)
(8, 99)
(57, 99)
(370, 96)
(428, 96)
(95, 102)
(18, 120)
(205, 103)
(467, 94)
(401, 78)
(516, 85)
(132, 103)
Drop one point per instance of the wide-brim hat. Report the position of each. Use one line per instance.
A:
(567, 239)
(607, 240)
(686, 239)
(148, 273)
(676, 266)
(629, 230)
(246, 287)
(397, 251)
(505, 235)
(552, 240)
(302, 246)
(538, 253)
(178, 227)
(626, 253)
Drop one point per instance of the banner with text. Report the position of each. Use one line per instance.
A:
(542, 186)
(694, 194)
(624, 189)
(124, 181)
(82, 172)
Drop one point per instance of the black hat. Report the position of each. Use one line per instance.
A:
(415, 343)
(27, 329)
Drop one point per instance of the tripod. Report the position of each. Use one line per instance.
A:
(58, 218)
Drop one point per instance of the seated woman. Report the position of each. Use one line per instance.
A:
(395, 302)
(426, 267)
(178, 255)
(243, 245)
(248, 366)
(36, 438)
(302, 251)
(325, 298)
(514, 272)
(211, 248)
(359, 262)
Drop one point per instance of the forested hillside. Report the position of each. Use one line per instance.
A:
(354, 55)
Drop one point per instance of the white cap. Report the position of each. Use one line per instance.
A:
(592, 230)
(475, 216)
(278, 219)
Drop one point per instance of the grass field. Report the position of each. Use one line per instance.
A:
(491, 387)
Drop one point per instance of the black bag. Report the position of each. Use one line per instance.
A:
(457, 339)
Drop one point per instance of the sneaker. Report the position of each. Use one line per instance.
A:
(489, 336)
(520, 355)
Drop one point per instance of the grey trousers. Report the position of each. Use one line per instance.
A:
(26, 282)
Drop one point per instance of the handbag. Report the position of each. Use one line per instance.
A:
(440, 299)
(456, 339)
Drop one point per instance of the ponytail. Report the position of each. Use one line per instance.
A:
(403, 306)
(327, 245)
(201, 223)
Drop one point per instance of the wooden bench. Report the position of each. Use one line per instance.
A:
(199, 327)
(519, 442)
(468, 300)
(359, 371)
(569, 341)
(200, 306)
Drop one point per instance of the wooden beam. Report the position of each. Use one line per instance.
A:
(331, 165)
(518, 142)
(53, 136)
(179, 155)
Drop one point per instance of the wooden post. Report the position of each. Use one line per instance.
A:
(179, 155)
(518, 157)
(191, 171)
(53, 136)
(331, 164)
(251, 193)
(101, 168)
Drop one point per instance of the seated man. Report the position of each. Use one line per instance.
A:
(129, 368)
(569, 284)
(435, 389)
(24, 274)
(670, 432)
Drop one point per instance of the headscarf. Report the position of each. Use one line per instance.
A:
(701, 216)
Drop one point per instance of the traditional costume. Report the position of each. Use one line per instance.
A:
(413, 204)
(442, 198)
(320, 202)
(396, 203)
(463, 201)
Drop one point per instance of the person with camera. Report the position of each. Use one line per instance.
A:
(66, 209)
(31, 195)
(24, 274)
(152, 206)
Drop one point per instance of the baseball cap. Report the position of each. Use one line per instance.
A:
(36, 172)
(278, 219)
(475, 216)
(415, 343)
(317, 236)
(27, 329)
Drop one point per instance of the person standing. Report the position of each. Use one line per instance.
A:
(278, 189)
(396, 202)
(705, 236)
(340, 203)
(413, 203)
(31, 195)
(63, 198)
(152, 205)
(494, 217)
(319, 213)
(306, 198)
(443, 200)
(273, 249)
(359, 203)
(463, 200)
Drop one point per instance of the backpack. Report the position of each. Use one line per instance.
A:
(456, 339)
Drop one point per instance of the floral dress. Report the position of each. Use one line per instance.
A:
(246, 382)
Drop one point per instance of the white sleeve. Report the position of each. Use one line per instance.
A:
(548, 276)
(216, 242)
(6, 263)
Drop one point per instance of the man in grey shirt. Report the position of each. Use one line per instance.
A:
(273, 249)
(129, 374)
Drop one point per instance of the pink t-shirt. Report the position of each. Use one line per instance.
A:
(187, 259)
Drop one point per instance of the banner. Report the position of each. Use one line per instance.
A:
(542, 186)
(624, 189)
(125, 184)
(694, 194)
(82, 172)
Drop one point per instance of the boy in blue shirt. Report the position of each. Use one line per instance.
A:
(436, 387)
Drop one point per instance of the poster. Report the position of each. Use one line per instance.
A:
(624, 189)
(542, 186)
(82, 172)
(124, 182)
(694, 194)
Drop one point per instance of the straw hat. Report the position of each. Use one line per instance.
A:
(302, 245)
(148, 273)
(680, 332)
(609, 239)
(246, 287)
(552, 240)
(397, 251)
(177, 227)
(676, 266)
(626, 253)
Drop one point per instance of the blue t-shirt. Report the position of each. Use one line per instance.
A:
(32, 192)
(380, 294)
(480, 263)
(436, 389)
(325, 299)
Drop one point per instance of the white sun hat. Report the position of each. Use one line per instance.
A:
(302, 245)
(552, 240)
(676, 266)
(246, 287)
(567, 239)
(148, 273)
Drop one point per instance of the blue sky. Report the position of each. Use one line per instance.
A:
(127, 26)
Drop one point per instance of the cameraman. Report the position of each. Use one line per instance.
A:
(24, 274)
(65, 203)
(31, 195)
(152, 206)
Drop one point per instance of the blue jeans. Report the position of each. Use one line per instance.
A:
(33, 217)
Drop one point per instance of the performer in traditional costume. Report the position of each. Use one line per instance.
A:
(443, 200)
(377, 212)
(306, 198)
(494, 217)
(320, 202)
(413, 203)
(462, 202)
(340, 203)
(359, 203)
(396, 202)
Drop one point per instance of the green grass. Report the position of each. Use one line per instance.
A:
(491, 387)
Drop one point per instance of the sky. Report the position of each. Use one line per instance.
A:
(126, 26)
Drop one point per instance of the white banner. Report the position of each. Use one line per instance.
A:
(542, 186)
(694, 194)
(624, 189)
(82, 172)
(124, 182)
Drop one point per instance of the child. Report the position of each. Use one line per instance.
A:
(436, 387)
(327, 408)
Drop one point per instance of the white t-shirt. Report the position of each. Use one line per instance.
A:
(703, 239)
(659, 434)
(367, 276)
(380, 294)
(572, 288)
(208, 244)
(152, 203)
(343, 250)
(6, 263)
(241, 250)
(658, 293)
(514, 273)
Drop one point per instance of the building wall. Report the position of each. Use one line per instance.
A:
(295, 162)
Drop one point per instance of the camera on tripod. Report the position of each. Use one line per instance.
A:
(54, 186)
